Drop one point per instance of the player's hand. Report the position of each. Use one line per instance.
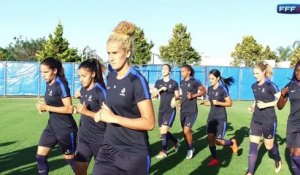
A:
(251, 109)
(284, 91)
(261, 104)
(41, 107)
(189, 95)
(105, 115)
(215, 102)
(163, 88)
(77, 94)
(173, 102)
(81, 108)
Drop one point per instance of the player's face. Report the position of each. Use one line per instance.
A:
(86, 77)
(165, 71)
(117, 55)
(258, 74)
(185, 72)
(212, 79)
(47, 73)
(297, 73)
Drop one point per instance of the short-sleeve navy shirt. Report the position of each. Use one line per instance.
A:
(61, 124)
(294, 117)
(122, 98)
(192, 85)
(89, 130)
(266, 93)
(217, 112)
(166, 96)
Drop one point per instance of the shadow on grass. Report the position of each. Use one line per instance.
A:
(23, 161)
(173, 159)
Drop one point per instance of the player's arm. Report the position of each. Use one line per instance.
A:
(283, 98)
(145, 122)
(262, 105)
(154, 93)
(227, 103)
(67, 107)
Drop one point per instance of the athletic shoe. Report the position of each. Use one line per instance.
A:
(176, 146)
(161, 155)
(190, 153)
(234, 145)
(278, 166)
(213, 162)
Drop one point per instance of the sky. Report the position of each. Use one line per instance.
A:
(215, 26)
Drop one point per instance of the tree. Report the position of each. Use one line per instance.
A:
(22, 49)
(248, 52)
(268, 54)
(142, 49)
(295, 56)
(179, 50)
(2, 54)
(284, 53)
(57, 46)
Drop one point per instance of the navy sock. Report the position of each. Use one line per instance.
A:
(297, 160)
(213, 151)
(172, 138)
(190, 146)
(252, 157)
(274, 151)
(43, 166)
(164, 142)
(71, 162)
(227, 142)
(294, 166)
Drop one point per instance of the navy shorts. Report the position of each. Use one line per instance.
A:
(67, 142)
(216, 127)
(111, 161)
(85, 151)
(293, 140)
(267, 130)
(188, 119)
(166, 118)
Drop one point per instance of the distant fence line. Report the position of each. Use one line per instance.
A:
(24, 78)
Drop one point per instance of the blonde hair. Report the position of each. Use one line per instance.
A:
(124, 32)
(264, 67)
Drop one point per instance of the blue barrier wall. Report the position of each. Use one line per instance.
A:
(23, 78)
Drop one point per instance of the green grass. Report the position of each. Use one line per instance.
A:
(21, 126)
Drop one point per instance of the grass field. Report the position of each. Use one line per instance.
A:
(21, 126)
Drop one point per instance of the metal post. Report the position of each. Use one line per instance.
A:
(5, 78)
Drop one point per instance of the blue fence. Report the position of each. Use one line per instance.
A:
(23, 78)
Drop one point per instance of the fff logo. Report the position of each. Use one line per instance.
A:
(288, 8)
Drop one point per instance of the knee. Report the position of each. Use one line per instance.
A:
(269, 146)
(187, 131)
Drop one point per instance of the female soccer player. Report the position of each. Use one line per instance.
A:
(292, 91)
(167, 89)
(128, 111)
(191, 89)
(218, 99)
(264, 121)
(92, 95)
(61, 128)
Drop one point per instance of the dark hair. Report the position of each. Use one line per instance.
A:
(294, 78)
(168, 66)
(225, 81)
(94, 65)
(190, 69)
(54, 63)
